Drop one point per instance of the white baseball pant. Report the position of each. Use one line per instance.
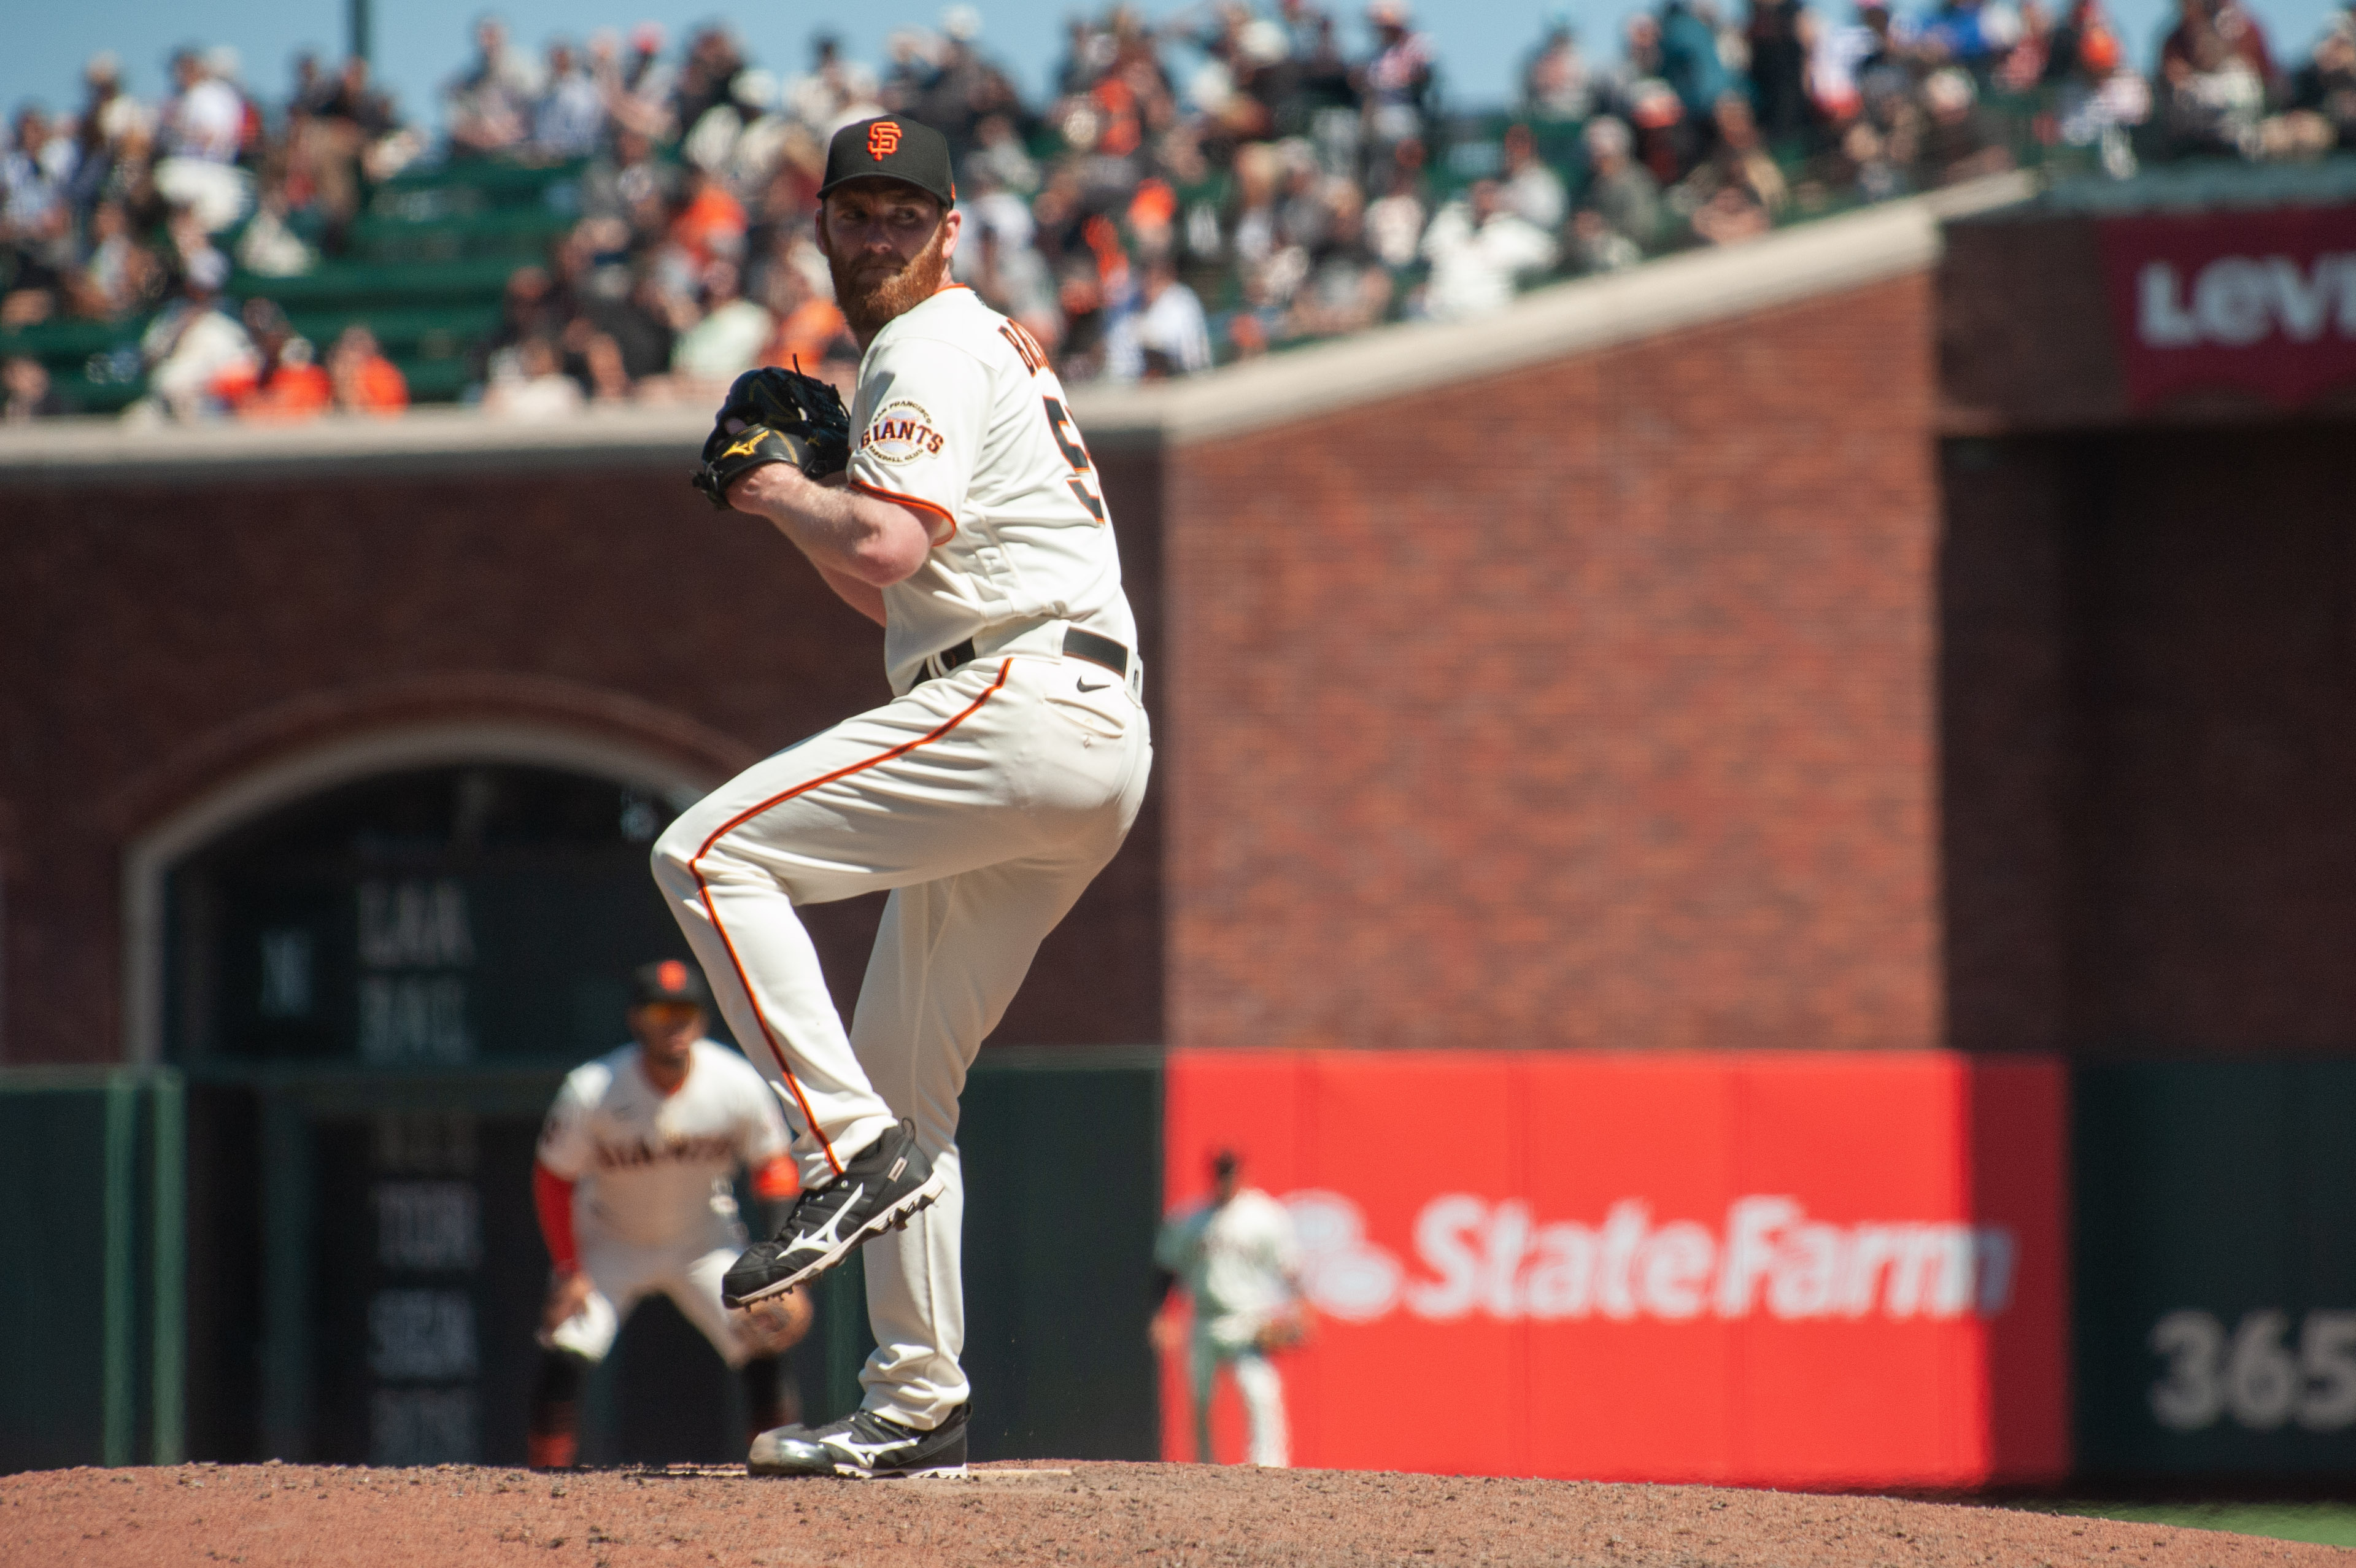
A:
(621, 1274)
(1266, 1440)
(985, 801)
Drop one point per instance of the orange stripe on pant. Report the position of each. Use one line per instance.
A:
(703, 891)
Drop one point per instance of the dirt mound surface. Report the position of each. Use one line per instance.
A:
(461, 1517)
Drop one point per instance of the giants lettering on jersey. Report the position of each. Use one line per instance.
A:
(900, 432)
(713, 1148)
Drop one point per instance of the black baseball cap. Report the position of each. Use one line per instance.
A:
(891, 146)
(669, 980)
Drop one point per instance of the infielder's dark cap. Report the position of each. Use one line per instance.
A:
(668, 980)
(891, 147)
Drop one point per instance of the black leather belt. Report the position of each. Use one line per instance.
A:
(1077, 644)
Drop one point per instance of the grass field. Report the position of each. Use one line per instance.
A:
(2325, 1524)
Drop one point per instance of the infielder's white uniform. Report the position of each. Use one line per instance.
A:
(652, 1208)
(985, 798)
(1238, 1261)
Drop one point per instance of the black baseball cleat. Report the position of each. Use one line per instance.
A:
(879, 1188)
(862, 1445)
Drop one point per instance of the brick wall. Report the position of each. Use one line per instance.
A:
(2151, 731)
(1587, 705)
(159, 642)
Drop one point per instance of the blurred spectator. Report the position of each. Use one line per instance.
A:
(1955, 145)
(2216, 74)
(488, 107)
(571, 114)
(729, 338)
(284, 381)
(710, 222)
(2082, 47)
(268, 248)
(532, 385)
(1348, 289)
(363, 380)
(37, 244)
(28, 394)
(531, 309)
(1480, 251)
(636, 84)
(1555, 84)
(1690, 61)
(1399, 81)
(197, 353)
(1167, 335)
(1736, 192)
(1621, 197)
(705, 79)
(108, 114)
(2325, 86)
(33, 276)
(810, 331)
(1532, 189)
(121, 278)
(203, 128)
(1395, 220)
(1973, 34)
(205, 119)
(35, 172)
(642, 326)
(1781, 35)
(2098, 97)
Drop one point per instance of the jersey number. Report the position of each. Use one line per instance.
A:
(1067, 438)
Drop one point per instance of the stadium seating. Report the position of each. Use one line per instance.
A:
(423, 268)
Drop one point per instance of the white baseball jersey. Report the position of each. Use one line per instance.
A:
(1237, 1260)
(959, 416)
(653, 1168)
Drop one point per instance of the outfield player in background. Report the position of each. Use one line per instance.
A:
(633, 1185)
(1240, 1264)
(1001, 777)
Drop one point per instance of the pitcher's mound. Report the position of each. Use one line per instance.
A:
(464, 1516)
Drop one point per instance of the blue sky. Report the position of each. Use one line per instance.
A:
(420, 42)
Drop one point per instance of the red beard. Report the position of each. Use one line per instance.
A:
(870, 295)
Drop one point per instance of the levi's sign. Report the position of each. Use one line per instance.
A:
(2262, 302)
(1833, 1269)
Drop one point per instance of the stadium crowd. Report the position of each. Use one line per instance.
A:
(1200, 189)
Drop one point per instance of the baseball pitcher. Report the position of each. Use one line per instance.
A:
(632, 1183)
(956, 505)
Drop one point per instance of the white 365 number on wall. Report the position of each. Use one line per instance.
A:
(2253, 1374)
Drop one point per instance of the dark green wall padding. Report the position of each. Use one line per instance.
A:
(1062, 1154)
(93, 1226)
(2209, 1196)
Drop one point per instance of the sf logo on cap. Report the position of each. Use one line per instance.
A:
(882, 139)
(671, 974)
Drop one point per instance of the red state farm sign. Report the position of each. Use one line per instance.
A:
(2260, 302)
(1770, 1268)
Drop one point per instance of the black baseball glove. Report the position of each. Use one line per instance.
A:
(774, 415)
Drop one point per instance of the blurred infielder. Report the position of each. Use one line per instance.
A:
(966, 520)
(633, 1187)
(1240, 1264)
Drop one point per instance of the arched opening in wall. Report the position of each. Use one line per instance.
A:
(374, 963)
(428, 918)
